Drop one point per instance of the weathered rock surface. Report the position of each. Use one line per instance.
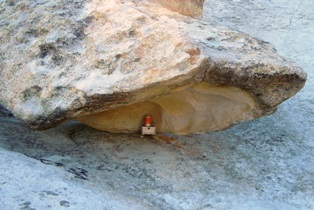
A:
(108, 63)
(193, 8)
(4, 112)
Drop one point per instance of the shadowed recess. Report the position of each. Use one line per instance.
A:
(198, 108)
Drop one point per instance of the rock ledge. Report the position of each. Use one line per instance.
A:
(107, 63)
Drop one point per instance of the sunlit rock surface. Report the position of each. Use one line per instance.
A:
(108, 63)
(193, 8)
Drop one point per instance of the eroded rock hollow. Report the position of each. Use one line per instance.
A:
(197, 108)
(109, 63)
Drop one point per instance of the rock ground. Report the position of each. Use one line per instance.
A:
(263, 164)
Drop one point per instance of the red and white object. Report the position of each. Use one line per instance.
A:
(148, 129)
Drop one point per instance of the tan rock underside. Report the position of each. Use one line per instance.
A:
(198, 108)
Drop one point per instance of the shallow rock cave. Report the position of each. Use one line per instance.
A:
(197, 108)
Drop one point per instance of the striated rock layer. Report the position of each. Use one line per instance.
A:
(108, 63)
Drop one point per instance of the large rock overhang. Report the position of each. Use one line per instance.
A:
(86, 59)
